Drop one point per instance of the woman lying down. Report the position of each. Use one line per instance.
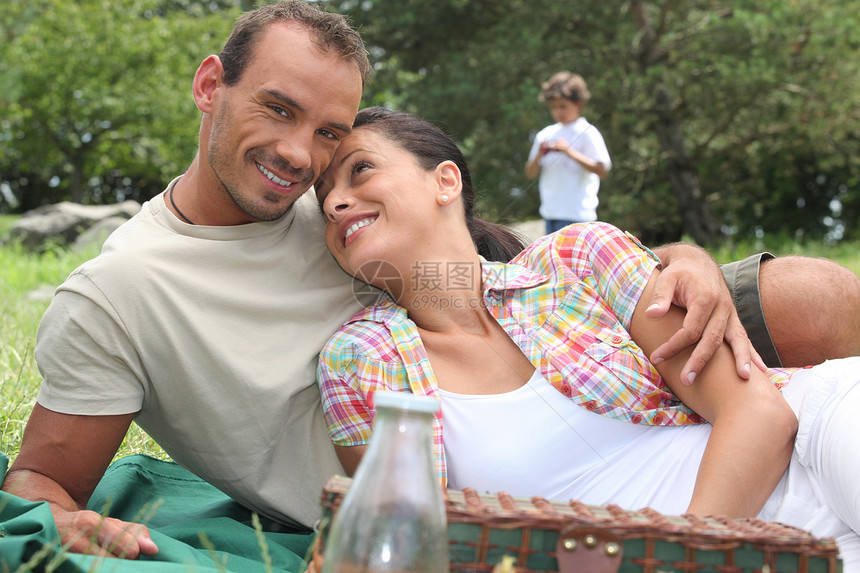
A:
(541, 364)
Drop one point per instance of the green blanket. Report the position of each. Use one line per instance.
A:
(196, 527)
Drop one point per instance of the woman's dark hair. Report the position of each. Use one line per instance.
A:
(330, 32)
(431, 146)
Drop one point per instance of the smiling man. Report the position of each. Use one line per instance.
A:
(267, 134)
(203, 317)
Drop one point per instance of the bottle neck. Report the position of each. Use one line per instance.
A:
(401, 440)
(401, 424)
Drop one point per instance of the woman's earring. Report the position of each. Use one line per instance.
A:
(444, 199)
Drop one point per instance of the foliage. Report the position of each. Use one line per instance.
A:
(98, 106)
(738, 115)
(763, 95)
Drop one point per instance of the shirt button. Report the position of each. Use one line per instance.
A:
(617, 339)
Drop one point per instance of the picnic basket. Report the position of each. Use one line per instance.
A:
(507, 534)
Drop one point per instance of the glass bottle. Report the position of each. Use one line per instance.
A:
(393, 517)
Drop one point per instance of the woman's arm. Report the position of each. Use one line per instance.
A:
(753, 426)
(692, 279)
(350, 457)
(347, 412)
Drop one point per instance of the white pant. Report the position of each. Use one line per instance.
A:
(821, 490)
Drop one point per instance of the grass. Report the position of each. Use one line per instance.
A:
(27, 281)
(846, 253)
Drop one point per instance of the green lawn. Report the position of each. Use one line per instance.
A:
(26, 282)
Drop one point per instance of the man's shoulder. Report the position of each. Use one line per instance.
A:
(308, 215)
(125, 249)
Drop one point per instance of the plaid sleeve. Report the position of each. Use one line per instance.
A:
(347, 411)
(360, 359)
(616, 262)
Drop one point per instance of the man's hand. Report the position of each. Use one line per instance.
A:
(89, 533)
(62, 459)
(691, 279)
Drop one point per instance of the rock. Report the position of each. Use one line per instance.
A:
(41, 294)
(98, 232)
(64, 222)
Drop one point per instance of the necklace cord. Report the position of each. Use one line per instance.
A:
(172, 202)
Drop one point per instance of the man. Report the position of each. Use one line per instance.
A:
(221, 287)
(203, 317)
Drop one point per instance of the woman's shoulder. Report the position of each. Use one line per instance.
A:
(584, 249)
(369, 331)
(579, 236)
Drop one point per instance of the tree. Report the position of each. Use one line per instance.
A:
(729, 77)
(99, 107)
(713, 110)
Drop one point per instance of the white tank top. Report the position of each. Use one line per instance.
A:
(535, 441)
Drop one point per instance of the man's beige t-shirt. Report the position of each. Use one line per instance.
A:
(212, 335)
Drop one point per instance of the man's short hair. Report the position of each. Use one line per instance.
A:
(329, 32)
(565, 85)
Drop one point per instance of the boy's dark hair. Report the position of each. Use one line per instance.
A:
(565, 85)
(329, 32)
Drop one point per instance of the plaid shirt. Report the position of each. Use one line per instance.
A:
(567, 301)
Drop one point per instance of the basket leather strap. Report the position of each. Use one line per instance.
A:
(588, 549)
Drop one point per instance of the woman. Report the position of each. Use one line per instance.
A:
(541, 364)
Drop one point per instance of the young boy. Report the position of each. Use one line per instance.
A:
(570, 155)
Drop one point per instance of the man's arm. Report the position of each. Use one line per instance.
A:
(61, 461)
(753, 427)
(812, 309)
(692, 280)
